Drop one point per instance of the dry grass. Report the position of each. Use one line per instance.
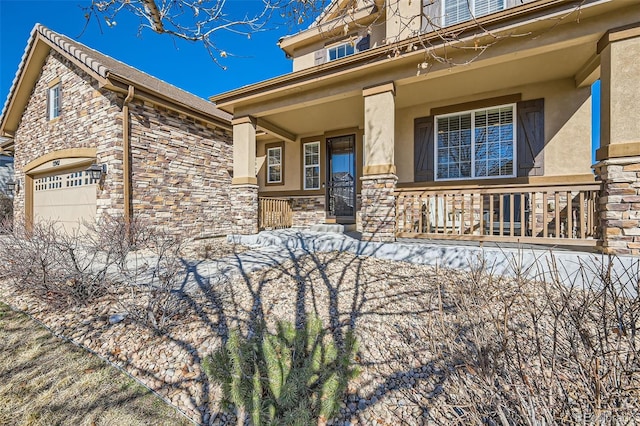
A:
(45, 381)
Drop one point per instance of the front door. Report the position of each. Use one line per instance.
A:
(341, 179)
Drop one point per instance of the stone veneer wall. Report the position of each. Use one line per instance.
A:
(180, 166)
(378, 210)
(244, 209)
(308, 211)
(619, 205)
(88, 120)
(180, 172)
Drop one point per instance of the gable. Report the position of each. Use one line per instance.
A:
(106, 71)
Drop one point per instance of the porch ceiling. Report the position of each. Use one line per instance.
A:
(477, 78)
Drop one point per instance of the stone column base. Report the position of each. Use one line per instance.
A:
(244, 209)
(378, 209)
(619, 205)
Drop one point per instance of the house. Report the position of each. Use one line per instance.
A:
(6, 173)
(161, 154)
(475, 111)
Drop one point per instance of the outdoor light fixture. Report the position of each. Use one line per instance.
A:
(97, 172)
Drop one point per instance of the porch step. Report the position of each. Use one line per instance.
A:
(335, 228)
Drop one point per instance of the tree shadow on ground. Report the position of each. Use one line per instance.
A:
(342, 291)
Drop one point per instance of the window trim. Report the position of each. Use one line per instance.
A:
(472, 12)
(54, 104)
(305, 166)
(267, 148)
(514, 171)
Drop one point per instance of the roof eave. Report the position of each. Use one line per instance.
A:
(14, 105)
(118, 83)
(362, 17)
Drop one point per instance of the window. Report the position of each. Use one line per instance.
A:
(312, 165)
(54, 101)
(478, 144)
(456, 11)
(341, 50)
(274, 164)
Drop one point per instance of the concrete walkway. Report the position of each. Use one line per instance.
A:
(567, 266)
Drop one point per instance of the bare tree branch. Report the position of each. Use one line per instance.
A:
(199, 21)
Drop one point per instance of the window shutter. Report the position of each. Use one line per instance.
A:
(363, 44)
(320, 56)
(530, 149)
(423, 155)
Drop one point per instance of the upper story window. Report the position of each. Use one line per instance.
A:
(476, 144)
(456, 11)
(54, 101)
(340, 51)
(274, 164)
(347, 48)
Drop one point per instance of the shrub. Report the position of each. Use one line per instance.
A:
(6, 212)
(292, 377)
(59, 267)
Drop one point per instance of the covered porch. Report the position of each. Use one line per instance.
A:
(411, 178)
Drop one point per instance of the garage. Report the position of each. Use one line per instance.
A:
(65, 195)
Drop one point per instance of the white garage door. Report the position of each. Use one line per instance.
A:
(68, 198)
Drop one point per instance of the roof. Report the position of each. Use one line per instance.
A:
(111, 72)
(353, 13)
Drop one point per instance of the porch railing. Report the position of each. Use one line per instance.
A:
(274, 213)
(563, 214)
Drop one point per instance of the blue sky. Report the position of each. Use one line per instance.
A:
(183, 64)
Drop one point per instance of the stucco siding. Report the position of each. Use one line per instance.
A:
(567, 126)
(292, 167)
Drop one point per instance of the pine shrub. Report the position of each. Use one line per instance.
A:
(290, 377)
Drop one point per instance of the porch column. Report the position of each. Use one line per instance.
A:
(244, 185)
(378, 207)
(619, 155)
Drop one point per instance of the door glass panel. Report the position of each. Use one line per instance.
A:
(341, 177)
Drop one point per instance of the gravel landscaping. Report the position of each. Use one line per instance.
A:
(436, 346)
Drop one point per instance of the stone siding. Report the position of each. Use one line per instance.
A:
(180, 172)
(87, 120)
(180, 177)
(308, 211)
(619, 205)
(378, 210)
(244, 209)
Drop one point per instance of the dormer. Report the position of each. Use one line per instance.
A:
(347, 27)
(344, 28)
